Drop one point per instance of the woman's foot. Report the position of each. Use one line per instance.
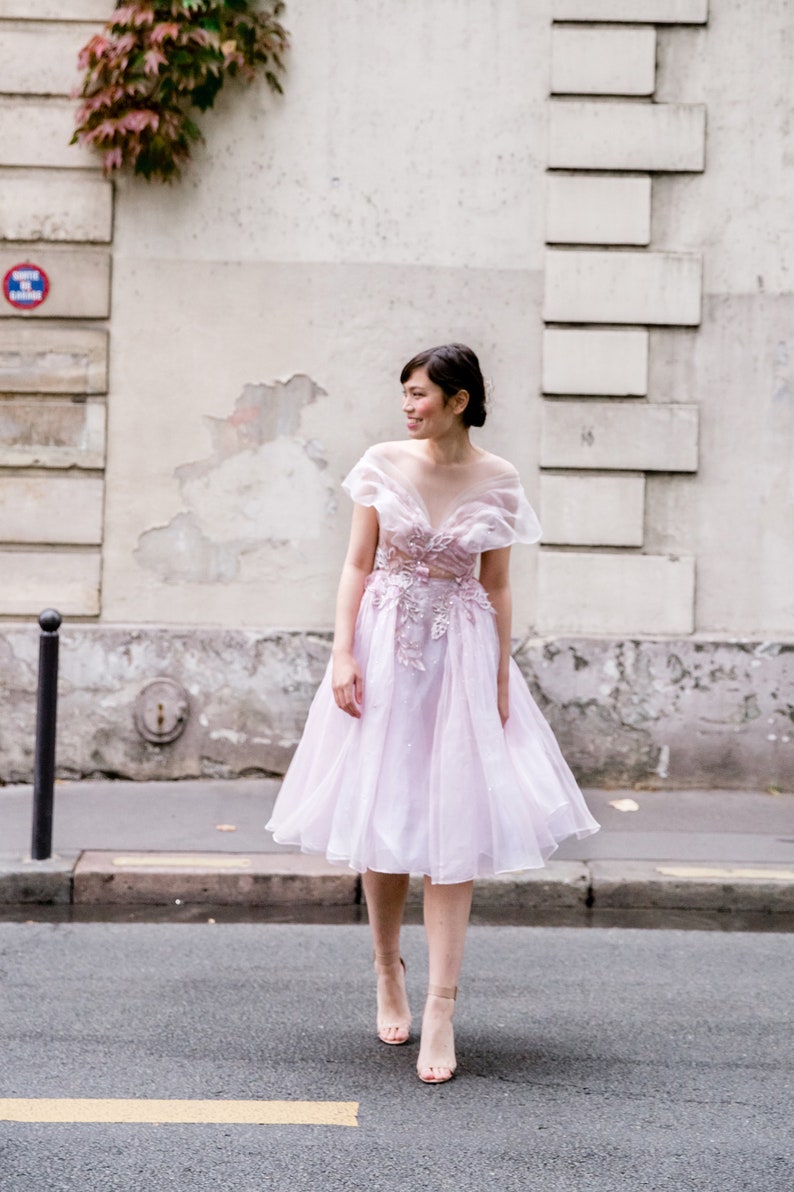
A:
(436, 1063)
(394, 1016)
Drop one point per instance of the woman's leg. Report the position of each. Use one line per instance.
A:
(385, 894)
(446, 916)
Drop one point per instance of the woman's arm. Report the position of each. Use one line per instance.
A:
(495, 578)
(345, 672)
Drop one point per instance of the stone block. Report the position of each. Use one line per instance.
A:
(51, 509)
(597, 209)
(47, 359)
(55, 205)
(57, 10)
(602, 135)
(255, 879)
(37, 579)
(38, 433)
(79, 281)
(603, 61)
(581, 592)
(622, 287)
(659, 12)
(601, 363)
(592, 510)
(627, 436)
(41, 58)
(37, 131)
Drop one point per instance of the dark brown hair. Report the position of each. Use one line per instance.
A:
(453, 367)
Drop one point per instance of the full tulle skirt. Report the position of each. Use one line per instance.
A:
(428, 781)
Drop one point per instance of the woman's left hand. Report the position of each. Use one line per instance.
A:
(503, 698)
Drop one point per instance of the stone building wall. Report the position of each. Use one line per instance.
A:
(592, 192)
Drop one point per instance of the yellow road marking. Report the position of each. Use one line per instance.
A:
(241, 1113)
(774, 875)
(184, 860)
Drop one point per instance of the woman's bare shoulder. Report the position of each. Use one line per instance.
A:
(497, 466)
(392, 450)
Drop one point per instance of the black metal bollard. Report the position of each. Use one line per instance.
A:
(46, 715)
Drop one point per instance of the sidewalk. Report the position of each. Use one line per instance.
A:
(203, 842)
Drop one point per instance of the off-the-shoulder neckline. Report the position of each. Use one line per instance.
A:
(393, 472)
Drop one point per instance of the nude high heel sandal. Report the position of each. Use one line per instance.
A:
(439, 1073)
(384, 961)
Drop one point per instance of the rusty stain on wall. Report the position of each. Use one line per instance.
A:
(262, 485)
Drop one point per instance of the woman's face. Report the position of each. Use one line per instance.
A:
(427, 410)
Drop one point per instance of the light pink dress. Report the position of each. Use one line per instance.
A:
(428, 781)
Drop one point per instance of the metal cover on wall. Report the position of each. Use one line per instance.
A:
(162, 708)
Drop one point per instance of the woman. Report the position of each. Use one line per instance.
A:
(423, 751)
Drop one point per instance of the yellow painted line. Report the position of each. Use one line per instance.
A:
(182, 860)
(222, 1113)
(774, 875)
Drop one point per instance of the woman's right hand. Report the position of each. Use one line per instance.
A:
(347, 684)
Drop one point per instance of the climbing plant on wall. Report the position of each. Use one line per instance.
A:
(155, 61)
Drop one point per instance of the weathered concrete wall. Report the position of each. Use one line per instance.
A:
(674, 712)
(403, 192)
(680, 712)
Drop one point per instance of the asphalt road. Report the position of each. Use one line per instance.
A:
(590, 1061)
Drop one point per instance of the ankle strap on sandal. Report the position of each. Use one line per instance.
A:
(448, 991)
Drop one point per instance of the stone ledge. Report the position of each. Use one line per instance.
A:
(37, 131)
(60, 205)
(258, 879)
(598, 209)
(42, 577)
(616, 60)
(593, 286)
(56, 10)
(41, 59)
(669, 885)
(660, 12)
(595, 134)
(630, 592)
(79, 280)
(621, 436)
(50, 359)
(601, 363)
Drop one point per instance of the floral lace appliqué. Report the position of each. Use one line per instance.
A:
(466, 592)
(398, 573)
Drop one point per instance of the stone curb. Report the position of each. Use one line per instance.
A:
(253, 879)
(119, 877)
(676, 885)
(44, 882)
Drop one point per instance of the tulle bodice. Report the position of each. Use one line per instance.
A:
(479, 508)
(426, 571)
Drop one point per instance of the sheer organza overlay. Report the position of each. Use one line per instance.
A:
(428, 780)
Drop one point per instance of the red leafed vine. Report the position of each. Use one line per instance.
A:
(155, 60)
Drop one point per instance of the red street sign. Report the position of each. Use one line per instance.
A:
(26, 286)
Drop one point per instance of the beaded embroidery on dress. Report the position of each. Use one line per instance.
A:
(428, 780)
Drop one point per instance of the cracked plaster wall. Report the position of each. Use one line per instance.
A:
(261, 486)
